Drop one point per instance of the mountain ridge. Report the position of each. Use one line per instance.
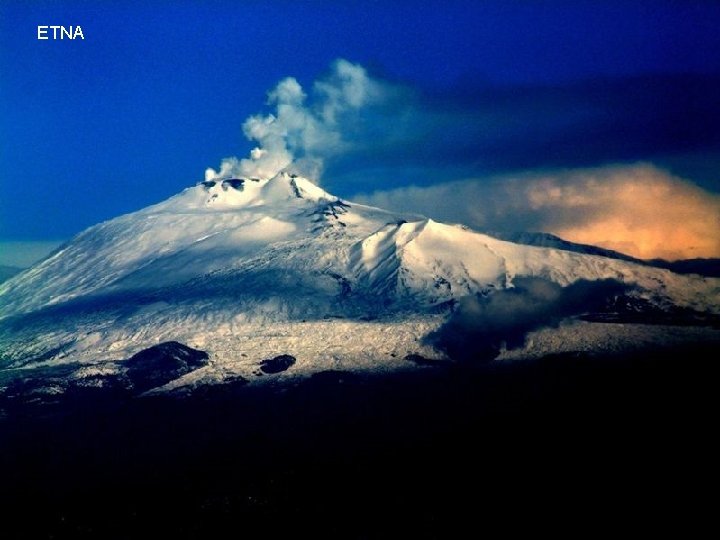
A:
(709, 267)
(250, 269)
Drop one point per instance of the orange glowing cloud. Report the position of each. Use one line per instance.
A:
(639, 210)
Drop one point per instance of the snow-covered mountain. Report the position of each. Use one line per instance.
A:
(249, 269)
(703, 267)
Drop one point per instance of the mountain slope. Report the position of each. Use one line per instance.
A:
(703, 267)
(249, 269)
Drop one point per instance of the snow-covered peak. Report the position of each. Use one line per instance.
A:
(230, 257)
(227, 193)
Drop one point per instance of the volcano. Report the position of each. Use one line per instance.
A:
(260, 355)
(249, 270)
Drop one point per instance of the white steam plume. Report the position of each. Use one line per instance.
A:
(302, 132)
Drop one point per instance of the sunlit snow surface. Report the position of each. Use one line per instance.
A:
(250, 269)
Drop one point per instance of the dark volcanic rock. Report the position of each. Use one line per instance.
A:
(277, 364)
(162, 363)
(235, 183)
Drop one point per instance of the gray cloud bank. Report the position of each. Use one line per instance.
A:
(477, 129)
(482, 324)
(364, 132)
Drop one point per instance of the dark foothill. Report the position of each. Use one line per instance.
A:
(162, 363)
(277, 364)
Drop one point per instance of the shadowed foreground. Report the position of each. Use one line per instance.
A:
(564, 443)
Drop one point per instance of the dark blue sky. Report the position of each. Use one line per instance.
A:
(158, 91)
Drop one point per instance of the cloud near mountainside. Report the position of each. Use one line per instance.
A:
(374, 136)
(481, 324)
(639, 210)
